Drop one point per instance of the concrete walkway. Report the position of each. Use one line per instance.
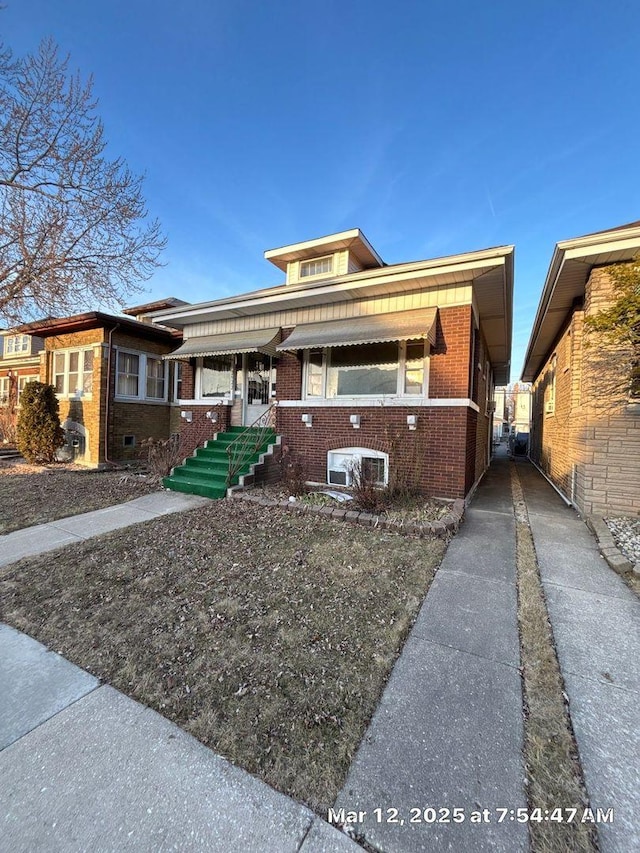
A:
(56, 534)
(84, 767)
(596, 626)
(448, 731)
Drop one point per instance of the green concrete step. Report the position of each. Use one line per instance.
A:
(205, 473)
(192, 488)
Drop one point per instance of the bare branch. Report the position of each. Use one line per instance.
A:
(74, 230)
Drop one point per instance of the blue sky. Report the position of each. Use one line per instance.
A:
(435, 127)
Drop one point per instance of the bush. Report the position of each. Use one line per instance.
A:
(294, 473)
(367, 495)
(161, 455)
(39, 433)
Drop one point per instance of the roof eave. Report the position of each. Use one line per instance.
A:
(269, 296)
(580, 249)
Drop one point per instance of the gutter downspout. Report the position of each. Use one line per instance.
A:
(108, 398)
(552, 484)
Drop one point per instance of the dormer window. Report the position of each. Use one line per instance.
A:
(17, 345)
(318, 266)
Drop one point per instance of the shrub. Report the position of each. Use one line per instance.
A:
(39, 433)
(294, 473)
(367, 495)
(161, 455)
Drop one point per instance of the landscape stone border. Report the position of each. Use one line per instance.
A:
(608, 548)
(444, 526)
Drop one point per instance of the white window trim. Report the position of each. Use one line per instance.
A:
(64, 394)
(213, 400)
(399, 392)
(356, 454)
(5, 381)
(330, 271)
(174, 396)
(22, 352)
(141, 396)
(26, 379)
(380, 402)
(550, 404)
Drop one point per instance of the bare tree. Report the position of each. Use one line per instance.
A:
(74, 229)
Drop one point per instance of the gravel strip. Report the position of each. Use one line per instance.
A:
(626, 535)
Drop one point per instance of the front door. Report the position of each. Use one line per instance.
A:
(259, 376)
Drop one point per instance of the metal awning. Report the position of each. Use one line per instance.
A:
(261, 340)
(377, 328)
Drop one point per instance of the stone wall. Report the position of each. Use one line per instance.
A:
(588, 442)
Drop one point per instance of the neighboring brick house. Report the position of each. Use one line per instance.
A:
(113, 385)
(390, 365)
(585, 431)
(19, 364)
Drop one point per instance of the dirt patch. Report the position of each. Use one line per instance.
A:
(31, 494)
(401, 510)
(267, 635)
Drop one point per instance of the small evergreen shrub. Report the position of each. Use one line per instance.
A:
(39, 433)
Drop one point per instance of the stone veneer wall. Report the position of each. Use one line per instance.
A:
(589, 445)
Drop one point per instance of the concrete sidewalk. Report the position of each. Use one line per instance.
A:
(83, 767)
(448, 731)
(596, 625)
(56, 534)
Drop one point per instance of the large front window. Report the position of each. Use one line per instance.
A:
(128, 374)
(140, 376)
(216, 376)
(366, 370)
(73, 372)
(156, 378)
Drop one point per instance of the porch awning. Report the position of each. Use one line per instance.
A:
(261, 340)
(374, 329)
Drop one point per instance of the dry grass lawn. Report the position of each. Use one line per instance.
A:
(31, 494)
(267, 635)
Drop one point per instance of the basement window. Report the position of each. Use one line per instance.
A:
(342, 461)
(128, 441)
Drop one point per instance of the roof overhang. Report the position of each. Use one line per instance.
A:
(94, 320)
(489, 271)
(569, 271)
(262, 340)
(353, 240)
(377, 328)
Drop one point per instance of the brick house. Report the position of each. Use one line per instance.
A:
(392, 366)
(585, 429)
(19, 364)
(113, 386)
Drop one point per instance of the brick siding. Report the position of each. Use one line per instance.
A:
(444, 456)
